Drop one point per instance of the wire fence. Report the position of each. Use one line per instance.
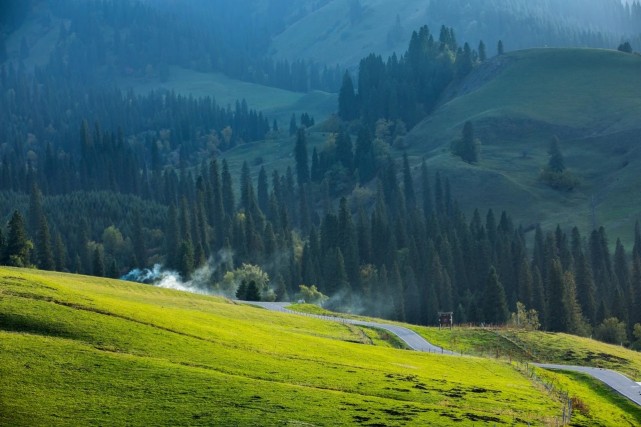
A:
(554, 389)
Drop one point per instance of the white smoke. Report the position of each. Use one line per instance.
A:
(199, 283)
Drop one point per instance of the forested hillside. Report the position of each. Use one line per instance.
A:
(99, 180)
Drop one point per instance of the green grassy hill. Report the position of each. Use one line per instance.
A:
(77, 350)
(590, 99)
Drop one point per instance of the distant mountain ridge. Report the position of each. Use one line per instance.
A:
(343, 32)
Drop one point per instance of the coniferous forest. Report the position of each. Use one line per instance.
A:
(98, 180)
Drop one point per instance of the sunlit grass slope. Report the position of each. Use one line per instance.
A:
(77, 350)
(519, 345)
(537, 346)
(589, 98)
(601, 405)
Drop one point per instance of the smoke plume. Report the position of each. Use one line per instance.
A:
(200, 281)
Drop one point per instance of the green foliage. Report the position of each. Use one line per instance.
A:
(556, 163)
(253, 293)
(524, 318)
(637, 334)
(428, 67)
(241, 277)
(300, 155)
(612, 331)
(625, 47)
(248, 291)
(564, 181)
(495, 306)
(18, 247)
(555, 174)
(311, 295)
(467, 148)
(347, 102)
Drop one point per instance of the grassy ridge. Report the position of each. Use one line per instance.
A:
(80, 350)
(589, 98)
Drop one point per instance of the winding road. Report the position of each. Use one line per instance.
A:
(617, 381)
(409, 337)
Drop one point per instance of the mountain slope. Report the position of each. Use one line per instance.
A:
(589, 99)
(84, 350)
(343, 32)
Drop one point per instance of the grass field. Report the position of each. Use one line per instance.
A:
(520, 345)
(589, 98)
(78, 350)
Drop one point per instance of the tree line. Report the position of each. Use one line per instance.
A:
(406, 253)
(104, 41)
(406, 88)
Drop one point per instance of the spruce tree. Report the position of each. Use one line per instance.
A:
(467, 148)
(18, 247)
(344, 150)
(622, 274)
(408, 185)
(35, 210)
(538, 295)
(396, 293)
(98, 263)
(253, 293)
(172, 237)
(347, 101)
(293, 127)
(586, 289)
(559, 317)
(482, 52)
(263, 190)
(229, 204)
(495, 305)
(300, 156)
(241, 292)
(556, 162)
(60, 253)
(576, 322)
(186, 258)
(411, 297)
(138, 240)
(44, 250)
(635, 314)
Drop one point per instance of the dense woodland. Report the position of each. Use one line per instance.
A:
(100, 42)
(406, 89)
(433, 257)
(98, 181)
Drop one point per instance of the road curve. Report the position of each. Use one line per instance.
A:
(409, 337)
(615, 380)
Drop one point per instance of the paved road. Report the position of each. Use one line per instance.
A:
(619, 382)
(615, 380)
(411, 338)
